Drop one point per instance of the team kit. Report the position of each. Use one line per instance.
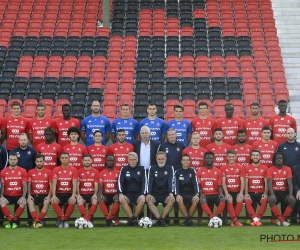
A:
(183, 165)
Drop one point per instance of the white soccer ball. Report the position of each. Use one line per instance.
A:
(145, 222)
(80, 223)
(215, 222)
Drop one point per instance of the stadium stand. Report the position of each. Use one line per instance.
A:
(192, 50)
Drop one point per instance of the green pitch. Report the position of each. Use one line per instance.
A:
(122, 237)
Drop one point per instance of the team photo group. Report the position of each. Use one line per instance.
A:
(205, 165)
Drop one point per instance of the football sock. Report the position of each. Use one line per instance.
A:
(92, 210)
(65, 207)
(34, 216)
(287, 211)
(104, 210)
(206, 210)
(82, 210)
(263, 207)
(249, 208)
(18, 213)
(231, 211)
(276, 212)
(115, 209)
(220, 209)
(238, 208)
(6, 212)
(57, 209)
(200, 211)
(69, 211)
(42, 215)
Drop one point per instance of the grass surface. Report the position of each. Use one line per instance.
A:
(122, 237)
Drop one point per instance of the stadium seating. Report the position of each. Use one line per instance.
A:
(213, 50)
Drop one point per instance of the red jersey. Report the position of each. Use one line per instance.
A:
(98, 154)
(87, 179)
(40, 181)
(233, 177)
(253, 129)
(13, 179)
(109, 179)
(120, 153)
(196, 157)
(267, 151)
(220, 153)
(61, 128)
(243, 154)
(14, 127)
(230, 128)
(279, 125)
(51, 152)
(279, 178)
(209, 180)
(256, 178)
(76, 153)
(36, 128)
(205, 128)
(64, 177)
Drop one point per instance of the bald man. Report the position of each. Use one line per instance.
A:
(290, 149)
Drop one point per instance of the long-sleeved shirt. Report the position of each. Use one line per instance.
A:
(296, 178)
(25, 157)
(3, 158)
(160, 180)
(291, 153)
(186, 182)
(174, 152)
(132, 180)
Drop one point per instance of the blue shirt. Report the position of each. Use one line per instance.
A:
(130, 126)
(183, 128)
(173, 152)
(158, 127)
(291, 153)
(25, 157)
(91, 124)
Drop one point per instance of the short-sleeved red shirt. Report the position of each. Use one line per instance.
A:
(120, 153)
(64, 177)
(51, 152)
(233, 177)
(13, 179)
(196, 156)
(87, 179)
(109, 180)
(256, 178)
(76, 152)
(220, 153)
(209, 180)
(98, 154)
(40, 181)
(279, 178)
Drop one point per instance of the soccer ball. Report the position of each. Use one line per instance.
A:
(80, 223)
(215, 222)
(145, 222)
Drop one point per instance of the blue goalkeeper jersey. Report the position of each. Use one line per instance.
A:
(183, 128)
(130, 126)
(158, 127)
(91, 124)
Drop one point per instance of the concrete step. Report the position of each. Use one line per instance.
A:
(286, 12)
(292, 76)
(293, 26)
(291, 60)
(292, 81)
(288, 41)
(279, 22)
(294, 87)
(291, 50)
(280, 5)
(291, 35)
(289, 45)
(287, 31)
(291, 70)
(291, 65)
(286, 18)
(290, 55)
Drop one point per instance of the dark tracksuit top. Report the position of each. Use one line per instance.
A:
(186, 182)
(132, 180)
(174, 153)
(291, 153)
(25, 157)
(296, 178)
(3, 158)
(160, 180)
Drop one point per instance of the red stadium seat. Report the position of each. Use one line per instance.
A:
(246, 61)
(172, 61)
(189, 106)
(201, 61)
(172, 72)
(96, 82)
(84, 61)
(218, 106)
(189, 116)
(266, 94)
(262, 72)
(28, 114)
(277, 72)
(9, 103)
(68, 72)
(231, 61)
(249, 83)
(232, 72)
(264, 83)
(279, 83)
(38, 72)
(23, 72)
(40, 61)
(99, 61)
(98, 72)
(250, 95)
(59, 103)
(114, 62)
(281, 94)
(30, 105)
(187, 61)
(49, 105)
(247, 72)
(170, 105)
(202, 72)
(70, 61)
(55, 61)
(83, 72)
(57, 114)
(53, 72)
(261, 62)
